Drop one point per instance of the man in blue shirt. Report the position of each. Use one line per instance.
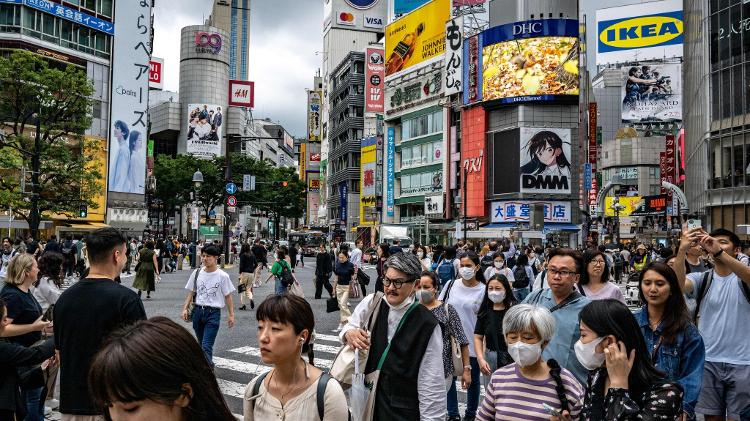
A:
(564, 302)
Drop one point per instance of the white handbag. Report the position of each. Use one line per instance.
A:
(458, 362)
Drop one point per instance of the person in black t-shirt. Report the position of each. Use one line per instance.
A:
(489, 342)
(86, 313)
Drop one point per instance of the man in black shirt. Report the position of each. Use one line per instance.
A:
(86, 313)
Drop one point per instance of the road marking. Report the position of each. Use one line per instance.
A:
(230, 388)
(329, 338)
(255, 352)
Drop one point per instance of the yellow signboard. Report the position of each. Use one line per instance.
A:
(630, 203)
(368, 167)
(417, 37)
(302, 159)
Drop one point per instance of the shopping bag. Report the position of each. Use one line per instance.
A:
(354, 291)
(359, 393)
(332, 305)
(296, 289)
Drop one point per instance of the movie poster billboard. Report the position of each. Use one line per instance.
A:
(652, 92)
(204, 128)
(314, 103)
(545, 160)
(530, 61)
(129, 113)
(374, 80)
(418, 37)
(367, 199)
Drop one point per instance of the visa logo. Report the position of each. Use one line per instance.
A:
(641, 32)
(373, 21)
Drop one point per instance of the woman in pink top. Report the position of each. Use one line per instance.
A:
(594, 282)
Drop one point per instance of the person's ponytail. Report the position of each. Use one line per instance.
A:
(554, 371)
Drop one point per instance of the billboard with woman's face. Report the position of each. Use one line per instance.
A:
(545, 160)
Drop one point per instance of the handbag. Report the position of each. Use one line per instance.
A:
(363, 277)
(296, 289)
(354, 291)
(191, 306)
(458, 362)
(332, 305)
(342, 367)
(241, 288)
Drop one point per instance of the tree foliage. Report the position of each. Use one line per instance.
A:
(61, 100)
(174, 181)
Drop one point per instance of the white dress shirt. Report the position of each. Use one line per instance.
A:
(356, 257)
(431, 378)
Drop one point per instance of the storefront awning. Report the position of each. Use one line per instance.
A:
(86, 226)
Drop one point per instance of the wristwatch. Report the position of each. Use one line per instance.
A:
(718, 253)
(467, 367)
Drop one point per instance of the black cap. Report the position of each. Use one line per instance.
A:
(211, 250)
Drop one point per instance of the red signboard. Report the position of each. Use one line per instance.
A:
(663, 169)
(473, 144)
(155, 71)
(592, 136)
(241, 93)
(473, 64)
(374, 81)
(315, 157)
(670, 162)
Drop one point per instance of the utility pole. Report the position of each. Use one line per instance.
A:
(34, 214)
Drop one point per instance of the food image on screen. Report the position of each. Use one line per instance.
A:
(530, 67)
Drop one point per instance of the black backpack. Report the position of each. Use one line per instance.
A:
(286, 273)
(320, 391)
(486, 262)
(521, 279)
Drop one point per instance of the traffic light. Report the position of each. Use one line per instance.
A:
(83, 211)
(280, 183)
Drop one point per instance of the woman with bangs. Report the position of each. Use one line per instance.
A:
(155, 370)
(293, 389)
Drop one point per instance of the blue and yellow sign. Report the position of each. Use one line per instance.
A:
(646, 31)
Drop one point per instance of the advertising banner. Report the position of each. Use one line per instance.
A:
(652, 93)
(374, 81)
(472, 92)
(313, 115)
(434, 205)
(520, 211)
(302, 161)
(630, 202)
(454, 55)
(418, 37)
(204, 128)
(360, 15)
(129, 112)
(155, 73)
(545, 162)
(414, 93)
(592, 135)
(313, 205)
(670, 162)
(368, 167)
(343, 203)
(84, 19)
(638, 32)
(390, 159)
(530, 61)
(241, 93)
(651, 205)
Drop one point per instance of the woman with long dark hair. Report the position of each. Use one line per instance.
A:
(465, 294)
(155, 370)
(48, 288)
(594, 282)
(623, 383)
(492, 352)
(675, 345)
(523, 276)
(384, 252)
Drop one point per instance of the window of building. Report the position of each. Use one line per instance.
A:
(89, 4)
(105, 7)
(422, 125)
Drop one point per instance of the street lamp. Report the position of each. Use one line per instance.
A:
(617, 207)
(197, 179)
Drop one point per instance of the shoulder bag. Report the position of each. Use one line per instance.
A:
(458, 362)
(342, 367)
(191, 306)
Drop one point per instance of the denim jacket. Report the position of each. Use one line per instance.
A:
(682, 361)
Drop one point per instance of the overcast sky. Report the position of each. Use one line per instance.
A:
(284, 38)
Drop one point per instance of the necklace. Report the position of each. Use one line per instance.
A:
(292, 387)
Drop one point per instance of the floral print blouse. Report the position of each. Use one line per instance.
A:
(662, 402)
(451, 326)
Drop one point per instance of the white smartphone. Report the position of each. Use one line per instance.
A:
(550, 410)
(693, 224)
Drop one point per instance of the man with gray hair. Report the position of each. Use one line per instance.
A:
(405, 344)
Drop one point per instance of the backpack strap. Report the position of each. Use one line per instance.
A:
(321, 393)
(708, 278)
(256, 389)
(544, 277)
(448, 290)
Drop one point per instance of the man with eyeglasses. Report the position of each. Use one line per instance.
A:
(411, 384)
(564, 302)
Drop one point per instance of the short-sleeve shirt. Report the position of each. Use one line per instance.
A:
(609, 290)
(723, 309)
(212, 287)
(24, 309)
(490, 325)
(466, 301)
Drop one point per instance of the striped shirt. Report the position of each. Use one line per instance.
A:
(511, 396)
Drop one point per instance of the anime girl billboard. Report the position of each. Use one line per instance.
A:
(545, 167)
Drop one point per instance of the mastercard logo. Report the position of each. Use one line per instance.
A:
(346, 17)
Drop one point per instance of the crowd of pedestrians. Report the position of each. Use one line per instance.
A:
(533, 333)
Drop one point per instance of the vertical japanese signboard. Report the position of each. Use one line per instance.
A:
(471, 70)
(129, 113)
(592, 135)
(313, 115)
(454, 41)
(374, 79)
(390, 168)
(367, 198)
(669, 162)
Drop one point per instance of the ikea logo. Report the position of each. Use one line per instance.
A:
(641, 32)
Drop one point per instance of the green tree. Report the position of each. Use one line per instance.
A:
(64, 174)
(174, 181)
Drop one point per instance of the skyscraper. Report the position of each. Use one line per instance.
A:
(233, 16)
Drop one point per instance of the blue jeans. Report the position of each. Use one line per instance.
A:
(206, 322)
(34, 404)
(521, 293)
(472, 395)
(278, 287)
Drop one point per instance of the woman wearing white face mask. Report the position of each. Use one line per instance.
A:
(426, 293)
(499, 268)
(526, 387)
(492, 352)
(421, 253)
(623, 383)
(466, 295)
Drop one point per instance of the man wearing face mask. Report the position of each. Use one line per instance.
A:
(411, 385)
(564, 302)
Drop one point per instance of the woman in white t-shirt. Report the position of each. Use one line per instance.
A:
(49, 286)
(498, 268)
(594, 282)
(465, 295)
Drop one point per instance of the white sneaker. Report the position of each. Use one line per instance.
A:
(52, 403)
(47, 411)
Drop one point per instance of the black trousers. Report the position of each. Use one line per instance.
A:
(362, 285)
(323, 281)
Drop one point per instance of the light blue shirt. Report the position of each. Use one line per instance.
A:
(723, 311)
(560, 347)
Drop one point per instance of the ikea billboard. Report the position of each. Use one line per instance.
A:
(638, 32)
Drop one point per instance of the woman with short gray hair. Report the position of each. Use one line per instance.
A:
(531, 382)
